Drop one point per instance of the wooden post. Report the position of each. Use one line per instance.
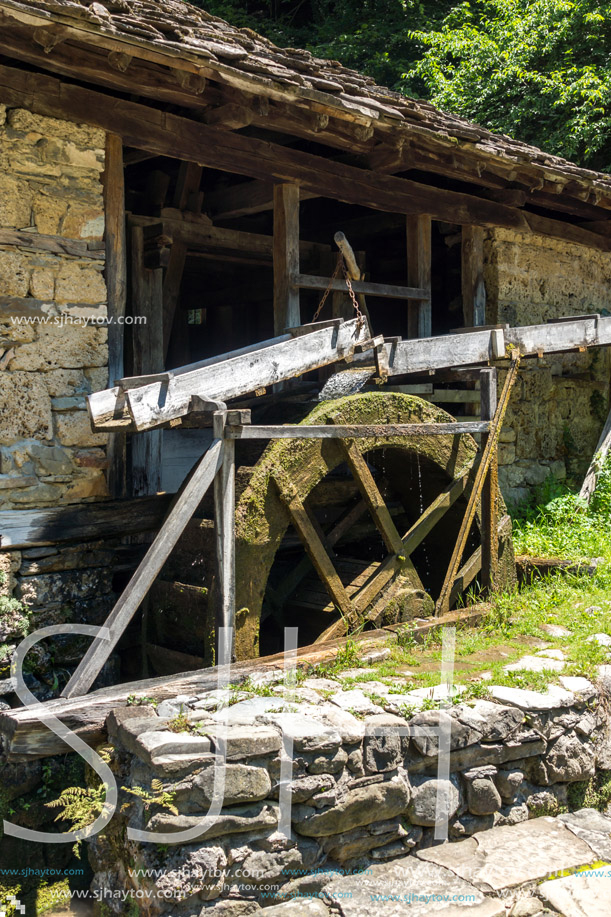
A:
(116, 288)
(419, 317)
(147, 347)
(224, 510)
(286, 257)
(490, 528)
(473, 289)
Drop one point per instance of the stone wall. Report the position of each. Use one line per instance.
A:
(52, 354)
(50, 185)
(560, 401)
(363, 783)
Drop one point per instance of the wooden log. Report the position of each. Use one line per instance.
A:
(600, 454)
(419, 318)
(472, 276)
(447, 350)
(59, 245)
(33, 528)
(286, 257)
(181, 511)
(116, 287)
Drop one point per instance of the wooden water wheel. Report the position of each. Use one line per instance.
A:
(336, 534)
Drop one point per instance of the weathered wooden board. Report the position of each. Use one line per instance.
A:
(331, 431)
(27, 737)
(387, 290)
(30, 528)
(160, 401)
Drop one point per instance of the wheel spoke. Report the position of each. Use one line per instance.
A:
(372, 496)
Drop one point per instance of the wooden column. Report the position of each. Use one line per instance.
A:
(286, 257)
(224, 514)
(419, 319)
(116, 288)
(490, 521)
(147, 350)
(473, 288)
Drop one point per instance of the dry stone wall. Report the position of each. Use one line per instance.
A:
(52, 354)
(363, 781)
(50, 185)
(560, 401)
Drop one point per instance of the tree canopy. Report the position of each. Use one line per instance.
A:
(538, 70)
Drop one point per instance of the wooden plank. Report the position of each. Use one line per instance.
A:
(313, 431)
(419, 319)
(557, 336)
(181, 511)
(440, 352)
(116, 288)
(472, 276)
(224, 514)
(286, 257)
(147, 357)
(478, 483)
(187, 195)
(28, 738)
(387, 290)
(316, 551)
(490, 535)
(372, 496)
(600, 454)
(59, 245)
(159, 402)
(32, 528)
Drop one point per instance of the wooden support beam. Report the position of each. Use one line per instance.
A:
(147, 356)
(482, 470)
(166, 134)
(185, 504)
(490, 534)
(286, 257)
(171, 291)
(600, 454)
(363, 431)
(316, 551)
(187, 194)
(387, 290)
(231, 116)
(224, 514)
(116, 290)
(419, 320)
(372, 496)
(472, 276)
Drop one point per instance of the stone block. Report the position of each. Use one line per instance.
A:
(14, 274)
(71, 346)
(360, 806)
(260, 816)
(76, 282)
(428, 795)
(74, 429)
(570, 758)
(242, 784)
(15, 202)
(27, 413)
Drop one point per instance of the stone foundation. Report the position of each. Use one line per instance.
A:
(560, 401)
(364, 783)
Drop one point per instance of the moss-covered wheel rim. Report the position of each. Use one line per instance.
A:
(261, 517)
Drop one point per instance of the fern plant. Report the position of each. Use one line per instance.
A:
(158, 796)
(80, 807)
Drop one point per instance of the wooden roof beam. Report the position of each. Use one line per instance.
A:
(167, 134)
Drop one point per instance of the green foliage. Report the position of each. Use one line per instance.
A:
(80, 806)
(180, 723)
(594, 793)
(158, 796)
(538, 70)
(135, 700)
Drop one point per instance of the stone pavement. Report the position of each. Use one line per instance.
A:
(539, 867)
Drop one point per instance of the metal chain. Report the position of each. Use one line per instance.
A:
(357, 311)
(334, 275)
(341, 265)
